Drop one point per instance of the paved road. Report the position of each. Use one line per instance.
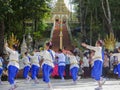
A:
(83, 84)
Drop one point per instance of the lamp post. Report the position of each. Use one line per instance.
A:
(61, 34)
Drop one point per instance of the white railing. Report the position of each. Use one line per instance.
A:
(51, 35)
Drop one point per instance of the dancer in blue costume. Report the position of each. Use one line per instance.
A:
(117, 69)
(61, 64)
(1, 68)
(47, 65)
(35, 66)
(97, 63)
(74, 67)
(27, 66)
(13, 65)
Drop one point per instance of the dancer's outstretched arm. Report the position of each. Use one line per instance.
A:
(89, 47)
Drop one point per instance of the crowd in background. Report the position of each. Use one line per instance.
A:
(85, 63)
(110, 63)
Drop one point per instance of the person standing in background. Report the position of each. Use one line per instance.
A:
(105, 66)
(76, 50)
(67, 62)
(111, 61)
(86, 65)
(67, 67)
(118, 62)
(80, 71)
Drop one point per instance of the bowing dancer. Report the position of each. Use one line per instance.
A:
(47, 65)
(27, 66)
(74, 67)
(118, 63)
(13, 65)
(35, 66)
(97, 63)
(1, 68)
(61, 64)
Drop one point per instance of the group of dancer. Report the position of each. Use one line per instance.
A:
(32, 62)
(48, 56)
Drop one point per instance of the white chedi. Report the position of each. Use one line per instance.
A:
(23, 46)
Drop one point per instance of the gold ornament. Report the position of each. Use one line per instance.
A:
(110, 42)
(13, 40)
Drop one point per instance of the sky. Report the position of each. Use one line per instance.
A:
(67, 2)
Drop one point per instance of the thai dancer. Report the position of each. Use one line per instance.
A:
(47, 65)
(97, 63)
(35, 66)
(61, 64)
(27, 66)
(74, 67)
(1, 68)
(13, 65)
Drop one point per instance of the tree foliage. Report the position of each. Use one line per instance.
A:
(15, 13)
(93, 16)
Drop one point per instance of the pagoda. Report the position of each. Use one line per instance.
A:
(60, 11)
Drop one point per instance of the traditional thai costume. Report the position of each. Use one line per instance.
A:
(13, 66)
(74, 67)
(35, 66)
(61, 64)
(97, 62)
(27, 66)
(47, 65)
(1, 68)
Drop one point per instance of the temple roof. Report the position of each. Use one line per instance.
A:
(60, 8)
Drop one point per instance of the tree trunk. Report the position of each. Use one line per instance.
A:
(91, 33)
(34, 30)
(83, 15)
(1, 37)
(107, 14)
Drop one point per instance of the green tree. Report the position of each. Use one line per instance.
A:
(102, 17)
(4, 10)
(14, 13)
(34, 10)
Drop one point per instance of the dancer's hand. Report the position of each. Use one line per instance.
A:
(84, 44)
(6, 45)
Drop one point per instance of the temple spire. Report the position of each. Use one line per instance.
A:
(60, 1)
(60, 8)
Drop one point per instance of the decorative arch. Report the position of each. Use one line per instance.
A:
(57, 18)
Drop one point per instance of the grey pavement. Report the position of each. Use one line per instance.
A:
(82, 84)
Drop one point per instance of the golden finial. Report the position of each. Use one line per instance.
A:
(110, 42)
(13, 40)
